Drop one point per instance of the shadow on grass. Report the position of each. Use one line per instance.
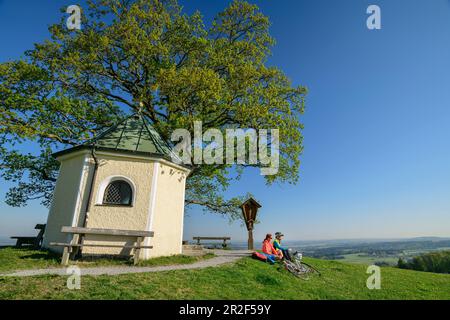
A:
(6, 247)
(12, 258)
(32, 252)
(22, 248)
(41, 256)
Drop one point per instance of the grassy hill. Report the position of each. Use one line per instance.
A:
(246, 279)
(12, 259)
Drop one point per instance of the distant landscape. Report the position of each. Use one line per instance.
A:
(6, 241)
(360, 251)
(380, 253)
(365, 251)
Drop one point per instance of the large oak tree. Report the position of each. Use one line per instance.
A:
(146, 53)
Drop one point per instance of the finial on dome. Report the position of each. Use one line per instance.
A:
(139, 110)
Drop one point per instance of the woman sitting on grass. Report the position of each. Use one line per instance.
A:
(269, 251)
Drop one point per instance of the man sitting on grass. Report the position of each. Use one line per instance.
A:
(277, 245)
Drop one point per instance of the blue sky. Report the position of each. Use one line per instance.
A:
(377, 125)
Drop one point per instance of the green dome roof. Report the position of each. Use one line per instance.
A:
(133, 135)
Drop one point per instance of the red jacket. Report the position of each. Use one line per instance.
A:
(268, 248)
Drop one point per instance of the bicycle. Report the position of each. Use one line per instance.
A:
(299, 268)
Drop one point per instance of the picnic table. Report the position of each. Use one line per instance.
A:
(224, 239)
(35, 242)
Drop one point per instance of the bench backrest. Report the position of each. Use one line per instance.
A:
(40, 236)
(108, 232)
(40, 226)
(211, 238)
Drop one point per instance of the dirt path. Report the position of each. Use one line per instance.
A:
(223, 257)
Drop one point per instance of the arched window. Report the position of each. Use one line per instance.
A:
(119, 193)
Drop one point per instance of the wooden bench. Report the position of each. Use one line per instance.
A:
(77, 232)
(33, 241)
(224, 239)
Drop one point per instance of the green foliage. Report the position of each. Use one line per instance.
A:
(402, 264)
(438, 262)
(149, 53)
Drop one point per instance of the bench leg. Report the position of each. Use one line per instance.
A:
(65, 256)
(68, 251)
(36, 244)
(137, 252)
(74, 250)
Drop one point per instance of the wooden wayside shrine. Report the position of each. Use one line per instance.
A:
(249, 212)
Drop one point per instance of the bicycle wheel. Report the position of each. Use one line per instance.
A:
(311, 268)
(298, 270)
(289, 266)
(304, 271)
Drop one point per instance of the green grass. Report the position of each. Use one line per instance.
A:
(12, 259)
(175, 260)
(360, 258)
(17, 259)
(246, 279)
(363, 258)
